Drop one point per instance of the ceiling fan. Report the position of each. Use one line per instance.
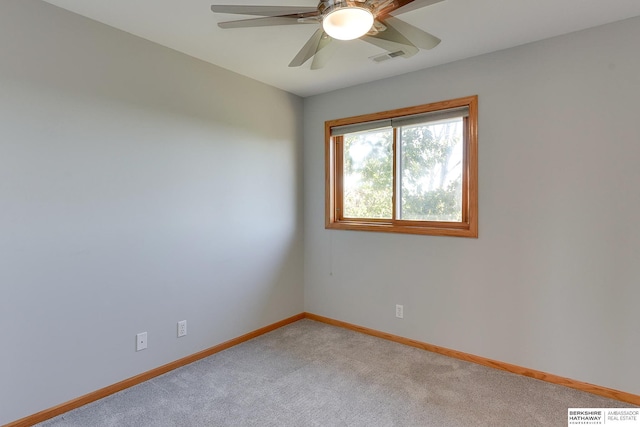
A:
(372, 21)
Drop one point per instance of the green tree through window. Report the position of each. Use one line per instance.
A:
(431, 171)
(368, 174)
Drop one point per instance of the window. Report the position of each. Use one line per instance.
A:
(413, 170)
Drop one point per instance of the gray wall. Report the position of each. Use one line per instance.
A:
(138, 187)
(552, 283)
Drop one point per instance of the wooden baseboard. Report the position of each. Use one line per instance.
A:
(539, 375)
(130, 382)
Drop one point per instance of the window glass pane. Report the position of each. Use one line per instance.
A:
(431, 157)
(368, 174)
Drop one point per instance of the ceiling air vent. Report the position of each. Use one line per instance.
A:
(386, 55)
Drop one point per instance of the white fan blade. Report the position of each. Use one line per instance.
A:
(415, 35)
(415, 4)
(264, 10)
(259, 22)
(324, 52)
(308, 50)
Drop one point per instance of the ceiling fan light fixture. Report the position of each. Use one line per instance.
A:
(347, 22)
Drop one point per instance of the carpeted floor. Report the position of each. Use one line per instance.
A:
(312, 374)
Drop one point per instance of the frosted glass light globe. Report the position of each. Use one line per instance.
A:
(347, 23)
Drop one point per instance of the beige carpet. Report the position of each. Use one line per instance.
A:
(312, 374)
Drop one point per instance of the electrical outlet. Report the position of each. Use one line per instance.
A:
(141, 341)
(399, 311)
(182, 328)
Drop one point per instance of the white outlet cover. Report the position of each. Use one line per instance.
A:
(182, 328)
(141, 341)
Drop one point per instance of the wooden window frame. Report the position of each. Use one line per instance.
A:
(467, 227)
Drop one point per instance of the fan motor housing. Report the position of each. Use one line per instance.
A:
(326, 6)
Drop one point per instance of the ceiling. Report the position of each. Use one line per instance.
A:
(467, 28)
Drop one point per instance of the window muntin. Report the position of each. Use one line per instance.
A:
(412, 170)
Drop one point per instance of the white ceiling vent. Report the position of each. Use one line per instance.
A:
(387, 55)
